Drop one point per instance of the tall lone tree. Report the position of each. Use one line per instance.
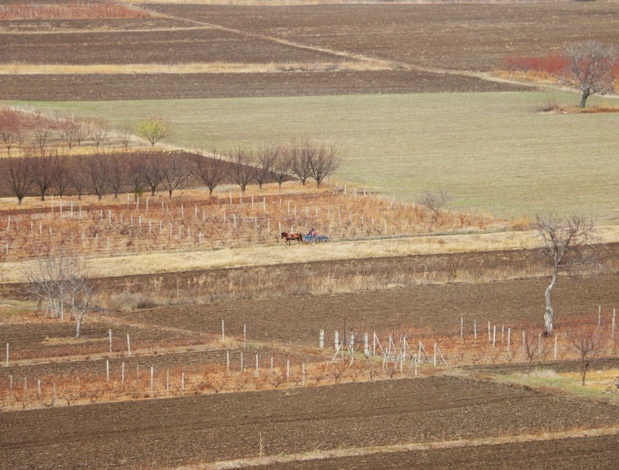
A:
(563, 242)
(590, 68)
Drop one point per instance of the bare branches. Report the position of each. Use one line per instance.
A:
(434, 200)
(589, 342)
(10, 129)
(98, 131)
(563, 239)
(324, 161)
(243, 170)
(590, 69)
(211, 170)
(59, 282)
(174, 172)
(267, 156)
(16, 174)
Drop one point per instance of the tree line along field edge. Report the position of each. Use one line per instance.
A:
(492, 151)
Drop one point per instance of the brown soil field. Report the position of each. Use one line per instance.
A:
(148, 47)
(172, 432)
(437, 308)
(223, 85)
(468, 37)
(559, 454)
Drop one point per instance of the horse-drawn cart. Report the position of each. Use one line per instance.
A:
(316, 238)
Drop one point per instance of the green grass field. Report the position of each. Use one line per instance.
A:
(492, 151)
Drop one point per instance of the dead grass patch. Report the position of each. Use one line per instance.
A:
(213, 67)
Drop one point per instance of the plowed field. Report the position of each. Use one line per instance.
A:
(221, 427)
(147, 47)
(94, 87)
(469, 37)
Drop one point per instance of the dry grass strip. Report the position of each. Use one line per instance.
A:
(214, 67)
(275, 254)
(364, 451)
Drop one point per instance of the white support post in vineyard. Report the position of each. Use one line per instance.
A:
(321, 339)
(556, 347)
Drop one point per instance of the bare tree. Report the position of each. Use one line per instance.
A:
(62, 177)
(60, 282)
(589, 342)
(78, 176)
(152, 170)
(563, 240)
(124, 133)
(534, 347)
(117, 172)
(243, 170)
(44, 172)
(41, 136)
(324, 161)
(80, 133)
(590, 69)
(98, 132)
(10, 129)
(174, 171)
(281, 166)
(16, 173)
(135, 169)
(211, 170)
(153, 129)
(97, 174)
(267, 157)
(434, 200)
(300, 157)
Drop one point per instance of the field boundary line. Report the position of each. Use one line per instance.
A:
(364, 451)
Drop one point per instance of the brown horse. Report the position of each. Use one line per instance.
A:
(292, 236)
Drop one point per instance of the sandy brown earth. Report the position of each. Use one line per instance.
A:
(573, 453)
(221, 427)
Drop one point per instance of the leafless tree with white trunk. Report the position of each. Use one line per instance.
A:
(60, 284)
(564, 240)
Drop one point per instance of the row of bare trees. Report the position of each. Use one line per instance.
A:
(36, 133)
(140, 171)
